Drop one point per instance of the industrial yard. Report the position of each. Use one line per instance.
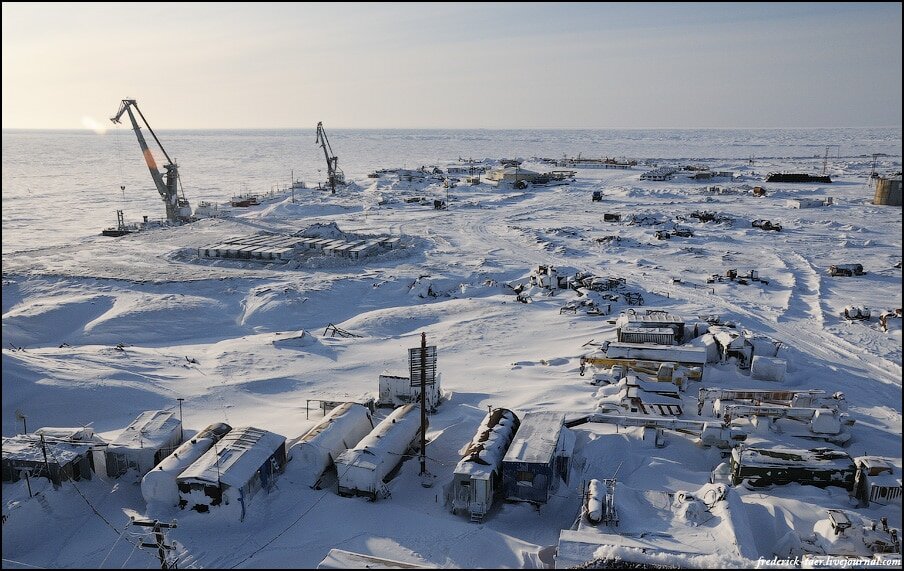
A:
(605, 393)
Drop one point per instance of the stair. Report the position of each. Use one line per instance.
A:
(45, 505)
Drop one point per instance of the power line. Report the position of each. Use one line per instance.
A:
(94, 509)
(291, 525)
(5, 560)
(283, 532)
(115, 543)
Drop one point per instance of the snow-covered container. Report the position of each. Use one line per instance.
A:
(538, 458)
(878, 480)
(396, 390)
(629, 322)
(243, 462)
(817, 467)
(143, 444)
(708, 342)
(654, 335)
(318, 448)
(478, 475)
(158, 487)
(805, 203)
(363, 469)
(768, 368)
(825, 421)
(684, 354)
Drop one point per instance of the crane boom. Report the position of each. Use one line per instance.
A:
(178, 209)
(334, 173)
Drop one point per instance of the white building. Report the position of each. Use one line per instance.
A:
(143, 444)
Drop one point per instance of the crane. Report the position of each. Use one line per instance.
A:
(178, 209)
(334, 173)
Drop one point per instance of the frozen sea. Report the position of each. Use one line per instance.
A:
(59, 186)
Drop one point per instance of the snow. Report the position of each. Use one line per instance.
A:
(223, 335)
(768, 368)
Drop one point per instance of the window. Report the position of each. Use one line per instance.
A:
(524, 476)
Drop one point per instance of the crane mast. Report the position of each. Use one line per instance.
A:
(178, 209)
(334, 173)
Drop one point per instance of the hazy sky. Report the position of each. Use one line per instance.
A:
(224, 65)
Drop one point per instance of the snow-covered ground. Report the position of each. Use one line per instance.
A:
(206, 331)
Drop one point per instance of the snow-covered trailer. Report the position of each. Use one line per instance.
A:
(242, 463)
(538, 457)
(319, 447)
(684, 354)
(143, 444)
(363, 469)
(478, 475)
(159, 485)
(775, 466)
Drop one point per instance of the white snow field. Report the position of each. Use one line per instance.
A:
(99, 330)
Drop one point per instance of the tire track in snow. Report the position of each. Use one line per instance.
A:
(820, 344)
(805, 291)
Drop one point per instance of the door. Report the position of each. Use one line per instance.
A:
(479, 497)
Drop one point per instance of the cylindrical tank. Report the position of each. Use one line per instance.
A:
(159, 485)
(363, 468)
(888, 192)
(595, 497)
(341, 429)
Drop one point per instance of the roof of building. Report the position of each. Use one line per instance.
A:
(152, 428)
(537, 438)
(784, 457)
(489, 445)
(391, 437)
(650, 317)
(235, 458)
(27, 448)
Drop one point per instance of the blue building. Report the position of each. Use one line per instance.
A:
(538, 458)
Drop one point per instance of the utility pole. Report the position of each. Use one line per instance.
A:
(423, 404)
(46, 463)
(422, 374)
(181, 430)
(159, 539)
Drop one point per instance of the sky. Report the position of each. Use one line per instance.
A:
(456, 65)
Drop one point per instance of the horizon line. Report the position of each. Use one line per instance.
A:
(899, 126)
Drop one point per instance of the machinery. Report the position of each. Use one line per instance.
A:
(708, 434)
(334, 173)
(814, 423)
(178, 210)
(641, 366)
